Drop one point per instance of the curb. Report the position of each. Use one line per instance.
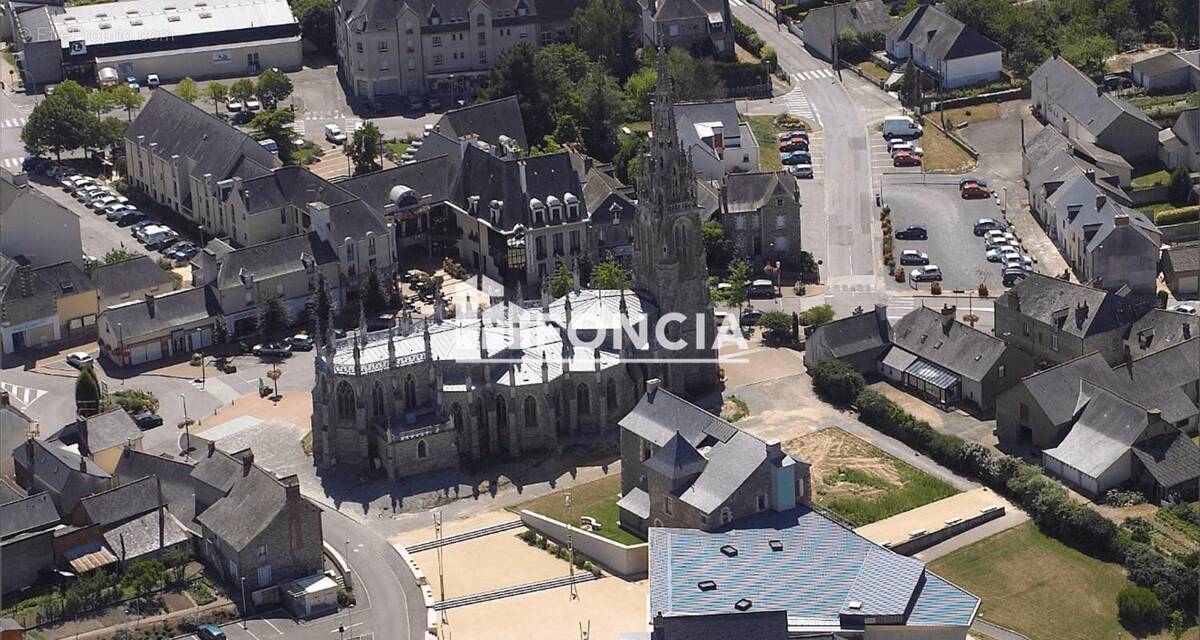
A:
(431, 616)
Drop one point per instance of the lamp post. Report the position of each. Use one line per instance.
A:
(242, 579)
(274, 374)
(186, 424)
(203, 372)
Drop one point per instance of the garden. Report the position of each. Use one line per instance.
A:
(596, 499)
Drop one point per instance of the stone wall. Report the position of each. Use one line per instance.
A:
(629, 562)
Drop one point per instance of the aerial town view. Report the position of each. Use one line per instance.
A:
(600, 319)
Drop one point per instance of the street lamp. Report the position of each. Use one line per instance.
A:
(245, 608)
(186, 424)
(274, 374)
(203, 372)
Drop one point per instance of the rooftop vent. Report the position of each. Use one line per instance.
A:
(105, 25)
(707, 585)
(776, 545)
(854, 605)
(729, 550)
(172, 18)
(137, 22)
(131, 12)
(743, 605)
(205, 14)
(102, 14)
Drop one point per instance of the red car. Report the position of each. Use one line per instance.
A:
(905, 159)
(794, 144)
(974, 190)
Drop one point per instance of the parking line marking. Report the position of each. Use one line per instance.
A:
(272, 626)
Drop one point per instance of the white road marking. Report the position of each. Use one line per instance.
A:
(12, 123)
(23, 395)
(12, 163)
(272, 626)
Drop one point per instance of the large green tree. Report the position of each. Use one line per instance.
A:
(718, 248)
(242, 90)
(188, 90)
(605, 30)
(63, 121)
(316, 22)
(364, 148)
(216, 92)
(609, 275)
(276, 124)
(561, 282)
(87, 392)
(603, 110)
(517, 74)
(272, 316)
(273, 87)
(127, 99)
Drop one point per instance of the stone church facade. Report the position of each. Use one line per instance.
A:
(505, 382)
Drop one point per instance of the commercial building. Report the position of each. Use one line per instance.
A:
(170, 38)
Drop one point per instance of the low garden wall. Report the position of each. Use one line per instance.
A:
(630, 562)
(920, 543)
(1149, 195)
(1181, 232)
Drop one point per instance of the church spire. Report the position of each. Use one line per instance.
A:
(668, 170)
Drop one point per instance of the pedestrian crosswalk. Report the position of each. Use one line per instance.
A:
(12, 123)
(12, 164)
(736, 3)
(797, 104)
(817, 74)
(22, 396)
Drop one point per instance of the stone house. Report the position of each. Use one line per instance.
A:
(130, 280)
(101, 437)
(40, 465)
(611, 209)
(1181, 270)
(700, 26)
(719, 142)
(761, 214)
(40, 306)
(824, 24)
(167, 325)
(27, 529)
(684, 467)
(858, 340)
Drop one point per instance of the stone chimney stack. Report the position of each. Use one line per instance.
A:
(247, 462)
(947, 317)
(150, 304)
(652, 386)
(291, 486)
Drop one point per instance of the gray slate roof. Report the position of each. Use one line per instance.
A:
(117, 505)
(936, 33)
(677, 459)
(453, 13)
(104, 430)
(1173, 459)
(1076, 93)
(660, 414)
(141, 536)
(867, 16)
(272, 259)
(487, 120)
(27, 514)
(173, 474)
(752, 191)
(218, 470)
(173, 309)
(948, 343)
(607, 198)
(24, 295)
(1107, 428)
(1162, 63)
(1089, 311)
(685, 9)
(853, 334)
(1160, 329)
(1182, 259)
(128, 276)
(433, 176)
(255, 502)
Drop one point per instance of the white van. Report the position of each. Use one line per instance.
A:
(333, 133)
(145, 232)
(901, 127)
(160, 234)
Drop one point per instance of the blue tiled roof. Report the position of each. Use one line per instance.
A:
(821, 567)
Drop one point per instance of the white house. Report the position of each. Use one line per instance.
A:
(958, 55)
(717, 140)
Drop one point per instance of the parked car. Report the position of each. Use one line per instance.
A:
(149, 231)
(761, 289)
(147, 420)
(983, 225)
(181, 251)
(136, 228)
(907, 147)
(130, 217)
(88, 192)
(994, 238)
(35, 164)
(1018, 261)
(301, 342)
(1010, 276)
(161, 240)
(972, 190)
(80, 359)
(275, 349)
(333, 134)
(99, 204)
(1184, 308)
(253, 105)
(114, 211)
(966, 179)
(1000, 253)
(927, 273)
(801, 170)
(210, 632)
(793, 145)
(796, 157)
(132, 81)
(750, 318)
(901, 127)
(233, 106)
(905, 159)
(152, 81)
(913, 257)
(913, 232)
(793, 135)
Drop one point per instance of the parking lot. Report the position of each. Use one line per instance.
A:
(934, 201)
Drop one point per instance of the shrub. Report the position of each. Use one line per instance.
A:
(1162, 298)
(935, 288)
(776, 325)
(346, 598)
(1179, 191)
(747, 37)
(1138, 606)
(134, 401)
(816, 316)
(1177, 216)
(835, 381)
(983, 290)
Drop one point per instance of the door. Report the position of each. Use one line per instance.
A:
(264, 576)
(18, 340)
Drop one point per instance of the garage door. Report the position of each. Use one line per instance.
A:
(145, 353)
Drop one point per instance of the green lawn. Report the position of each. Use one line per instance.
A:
(874, 70)
(943, 155)
(972, 114)
(1152, 210)
(1040, 587)
(1152, 179)
(768, 142)
(397, 148)
(597, 499)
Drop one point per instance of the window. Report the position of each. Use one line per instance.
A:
(437, 41)
(1026, 328)
(1001, 370)
(1024, 411)
(412, 64)
(779, 202)
(762, 502)
(739, 223)
(780, 222)
(345, 402)
(673, 30)
(726, 515)
(574, 242)
(358, 48)
(530, 413)
(377, 408)
(583, 399)
(408, 28)
(252, 59)
(1054, 342)
(480, 20)
(422, 450)
(611, 393)
(410, 392)
(283, 216)
(384, 64)
(437, 60)
(383, 46)
(482, 57)
(667, 506)
(647, 451)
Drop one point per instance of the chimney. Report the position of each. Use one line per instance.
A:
(81, 428)
(1099, 90)
(150, 304)
(881, 318)
(774, 450)
(25, 280)
(1101, 200)
(291, 487)
(652, 386)
(29, 451)
(83, 463)
(1015, 296)
(1155, 415)
(212, 447)
(947, 317)
(1187, 331)
(1121, 220)
(724, 197)
(247, 462)
(1091, 175)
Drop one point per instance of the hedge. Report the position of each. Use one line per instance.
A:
(746, 36)
(1176, 216)
(835, 381)
(1045, 499)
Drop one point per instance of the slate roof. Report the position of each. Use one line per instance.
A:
(34, 513)
(217, 469)
(753, 191)
(495, 178)
(948, 343)
(694, 120)
(868, 16)
(66, 279)
(853, 334)
(811, 578)
(607, 198)
(117, 505)
(540, 11)
(128, 276)
(433, 176)
(257, 493)
(1172, 459)
(1162, 63)
(1079, 189)
(172, 474)
(1107, 428)
(685, 9)
(1089, 311)
(940, 35)
(56, 464)
(16, 308)
(1056, 388)
(1076, 94)
(1182, 259)
(171, 310)
(272, 259)
(1159, 330)
(1187, 127)
(660, 414)
(141, 536)
(487, 120)
(104, 430)
(637, 502)
(210, 143)
(677, 459)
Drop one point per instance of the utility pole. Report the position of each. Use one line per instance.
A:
(437, 535)
(570, 548)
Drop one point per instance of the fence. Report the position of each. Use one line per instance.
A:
(1149, 195)
(969, 101)
(631, 562)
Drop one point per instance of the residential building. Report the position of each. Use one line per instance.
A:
(823, 25)
(140, 37)
(163, 326)
(76, 299)
(796, 574)
(858, 340)
(1055, 320)
(1181, 270)
(446, 47)
(681, 466)
(127, 523)
(130, 280)
(101, 437)
(949, 362)
(1068, 100)
(59, 471)
(173, 479)
(40, 306)
(761, 214)
(1169, 72)
(1179, 145)
(700, 26)
(259, 532)
(35, 229)
(1050, 156)
(611, 208)
(957, 55)
(1160, 329)
(717, 139)
(15, 428)
(27, 529)
(1114, 440)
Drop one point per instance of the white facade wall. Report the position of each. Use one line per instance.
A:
(980, 69)
(210, 62)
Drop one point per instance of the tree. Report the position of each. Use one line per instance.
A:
(242, 90)
(109, 133)
(771, 57)
(561, 282)
(609, 275)
(816, 316)
(835, 381)
(1087, 53)
(276, 125)
(1180, 190)
(603, 110)
(364, 149)
(316, 22)
(63, 121)
(1138, 606)
(216, 92)
(776, 326)
(696, 79)
(102, 102)
(127, 99)
(87, 392)
(718, 248)
(118, 255)
(144, 577)
(273, 87)
(737, 295)
(373, 298)
(1177, 627)
(639, 88)
(517, 74)
(272, 316)
(188, 89)
(605, 31)
(324, 306)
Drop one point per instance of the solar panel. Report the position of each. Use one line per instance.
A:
(720, 430)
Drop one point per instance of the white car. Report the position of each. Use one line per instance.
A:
(911, 148)
(1184, 308)
(928, 273)
(80, 359)
(152, 81)
(100, 203)
(996, 238)
(88, 192)
(253, 105)
(233, 106)
(1000, 253)
(1018, 262)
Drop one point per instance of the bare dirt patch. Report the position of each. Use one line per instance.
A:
(835, 456)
